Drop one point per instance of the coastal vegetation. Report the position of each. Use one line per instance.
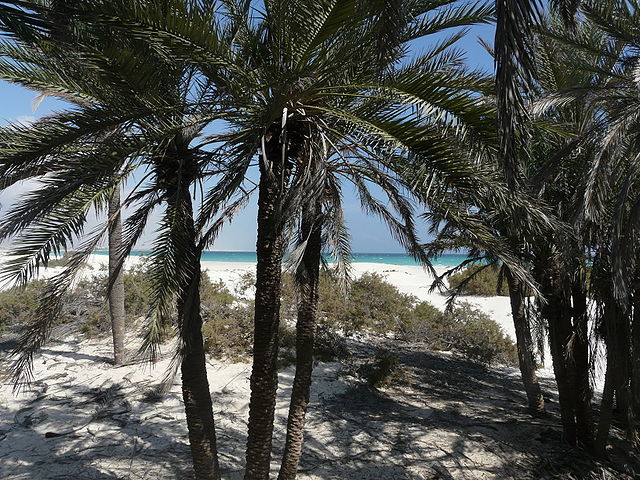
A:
(478, 280)
(227, 317)
(531, 172)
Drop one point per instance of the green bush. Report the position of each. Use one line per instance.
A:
(245, 284)
(485, 282)
(60, 261)
(227, 323)
(90, 299)
(18, 305)
(466, 330)
(332, 303)
(480, 338)
(95, 322)
(87, 304)
(385, 370)
(137, 291)
(371, 304)
(329, 345)
(376, 304)
(426, 323)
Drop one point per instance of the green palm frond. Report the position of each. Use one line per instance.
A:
(33, 336)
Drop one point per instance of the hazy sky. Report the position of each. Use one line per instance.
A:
(368, 234)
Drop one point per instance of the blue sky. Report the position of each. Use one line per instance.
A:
(368, 233)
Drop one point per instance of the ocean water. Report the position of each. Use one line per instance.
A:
(448, 260)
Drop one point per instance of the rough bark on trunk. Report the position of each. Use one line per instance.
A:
(616, 377)
(622, 350)
(635, 365)
(195, 389)
(177, 172)
(606, 405)
(580, 362)
(305, 333)
(524, 343)
(558, 318)
(116, 278)
(195, 385)
(270, 249)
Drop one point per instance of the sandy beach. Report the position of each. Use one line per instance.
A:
(84, 419)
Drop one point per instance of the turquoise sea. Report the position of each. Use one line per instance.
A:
(448, 260)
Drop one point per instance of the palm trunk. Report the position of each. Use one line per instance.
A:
(524, 343)
(556, 313)
(558, 339)
(635, 364)
(116, 279)
(305, 333)
(622, 351)
(195, 388)
(195, 385)
(176, 173)
(606, 405)
(270, 249)
(616, 375)
(580, 363)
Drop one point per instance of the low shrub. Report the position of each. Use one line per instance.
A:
(18, 305)
(137, 291)
(227, 323)
(485, 281)
(371, 304)
(95, 322)
(61, 261)
(466, 330)
(89, 299)
(480, 338)
(329, 345)
(245, 285)
(87, 304)
(426, 322)
(228, 331)
(385, 370)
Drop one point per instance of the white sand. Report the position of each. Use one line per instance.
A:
(117, 434)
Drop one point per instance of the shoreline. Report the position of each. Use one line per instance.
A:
(241, 256)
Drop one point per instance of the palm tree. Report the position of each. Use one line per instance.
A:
(610, 198)
(453, 236)
(116, 280)
(516, 73)
(308, 276)
(289, 85)
(62, 32)
(559, 167)
(293, 96)
(132, 88)
(516, 22)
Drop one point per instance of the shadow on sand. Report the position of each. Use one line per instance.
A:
(453, 419)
